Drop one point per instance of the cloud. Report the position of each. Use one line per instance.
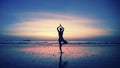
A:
(67, 17)
(43, 25)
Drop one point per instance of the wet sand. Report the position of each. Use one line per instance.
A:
(48, 56)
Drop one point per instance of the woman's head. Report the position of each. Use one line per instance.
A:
(60, 29)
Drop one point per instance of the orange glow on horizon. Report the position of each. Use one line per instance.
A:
(45, 28)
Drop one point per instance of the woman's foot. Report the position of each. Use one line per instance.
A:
(61, 52)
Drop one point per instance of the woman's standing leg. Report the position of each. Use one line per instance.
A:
(60, 45)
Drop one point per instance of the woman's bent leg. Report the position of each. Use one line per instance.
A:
(65, 42)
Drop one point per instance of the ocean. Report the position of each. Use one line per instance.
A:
(46, 54)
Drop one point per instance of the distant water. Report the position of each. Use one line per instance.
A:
(55, 42)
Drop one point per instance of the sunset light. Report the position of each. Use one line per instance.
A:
(43, 26)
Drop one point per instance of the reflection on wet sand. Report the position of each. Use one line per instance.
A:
(48, 56)
(62, 64)
(70, 51)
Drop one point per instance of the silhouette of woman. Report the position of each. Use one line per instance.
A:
(60, 30)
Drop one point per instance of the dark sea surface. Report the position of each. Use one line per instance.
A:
(45, 54)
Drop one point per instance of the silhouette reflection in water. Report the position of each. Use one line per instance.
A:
(62, 64)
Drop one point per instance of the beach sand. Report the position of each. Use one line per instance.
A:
(48, 56)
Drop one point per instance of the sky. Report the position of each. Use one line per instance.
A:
(38, 19)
